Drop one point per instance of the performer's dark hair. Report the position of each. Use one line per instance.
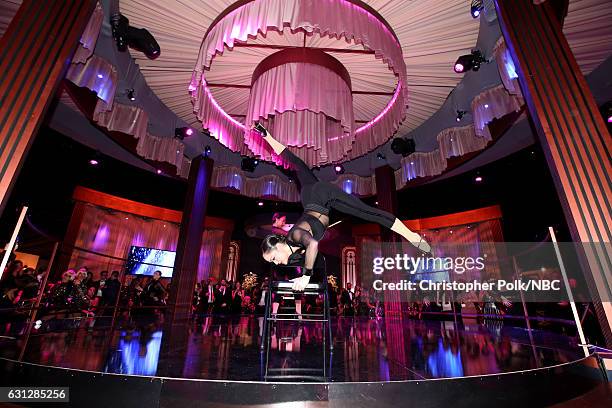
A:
(270, 242)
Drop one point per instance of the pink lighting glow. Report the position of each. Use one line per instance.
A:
(93, 162)
(609, 119)
(260, 203)
(189, 131)
(384, 112)
(478, 179)
(159, 171)
(459, 68)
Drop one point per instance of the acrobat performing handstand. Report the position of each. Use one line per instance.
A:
(318, 198)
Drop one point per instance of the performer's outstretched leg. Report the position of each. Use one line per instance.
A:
(349, 204)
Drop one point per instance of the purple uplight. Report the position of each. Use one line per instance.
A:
(609, 119)
(100, 76)
(459, 68)
(486, 105)
(93, 162)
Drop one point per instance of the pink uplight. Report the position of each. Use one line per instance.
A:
(459, 68)
(609, 119)
(93, 162)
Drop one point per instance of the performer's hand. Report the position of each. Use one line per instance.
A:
(299, 284)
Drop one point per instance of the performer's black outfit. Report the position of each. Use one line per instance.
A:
(321, 197)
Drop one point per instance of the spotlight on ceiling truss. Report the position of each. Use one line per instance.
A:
(403, 146)
(339, 169)
(249, 164)
(460, 115)
(137, 38)
(469, 62)
(476, 8)
(183, 132)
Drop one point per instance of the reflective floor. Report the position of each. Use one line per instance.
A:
(229, 348)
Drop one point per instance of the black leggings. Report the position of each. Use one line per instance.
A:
(351, 205)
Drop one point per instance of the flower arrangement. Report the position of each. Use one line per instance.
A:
(249, 281)
(331, 279)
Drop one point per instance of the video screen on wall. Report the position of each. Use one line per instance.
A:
(145, 261)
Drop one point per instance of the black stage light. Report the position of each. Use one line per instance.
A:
(403, 146)
(380, 156)
(460, 115)
(339, 169)
(183, 132)
(469, 62)
(249, 164)
(131, 94)
(138, 38)
(207, 151)
(606, 112)
(476, 8)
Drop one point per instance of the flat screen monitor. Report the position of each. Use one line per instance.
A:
(145, 261)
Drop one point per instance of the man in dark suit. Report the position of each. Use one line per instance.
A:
(346, 298)
(223, 298)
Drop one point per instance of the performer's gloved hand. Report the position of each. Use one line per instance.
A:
(299, 284)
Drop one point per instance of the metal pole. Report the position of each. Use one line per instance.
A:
(526, 314)
(585, 348)
(9, 247)
(41, 293)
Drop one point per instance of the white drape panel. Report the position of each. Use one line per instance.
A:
(459, 141)
(97, 75)
(492, 104)
(88, 40)
(507, 68)
(265, 186)
(353, 184)
(133, 120)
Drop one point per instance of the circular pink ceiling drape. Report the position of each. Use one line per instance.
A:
(304, 98)
(340, 19)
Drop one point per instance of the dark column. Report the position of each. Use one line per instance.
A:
(386, 194)
(571, 131)
(189, 241)
(35, 52)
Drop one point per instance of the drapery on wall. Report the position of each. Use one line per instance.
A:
(469, 233)
(112, 233)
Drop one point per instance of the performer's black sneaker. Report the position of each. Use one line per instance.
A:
(261, 129)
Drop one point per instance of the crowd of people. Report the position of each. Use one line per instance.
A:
(76, 292)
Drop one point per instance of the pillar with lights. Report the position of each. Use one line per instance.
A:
(571, 131)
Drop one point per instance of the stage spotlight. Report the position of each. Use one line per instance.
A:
(339, 169)
(207, 151)
(131, 94)
(260, 203)
(380, 156)
(476, 8)
(606, 112)
(478, 179)
(137, 38)
(94, 162)
(460, 115)
(183, 132)
(249, 164)
(469, 62)
(159, 171)
(403, 146)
